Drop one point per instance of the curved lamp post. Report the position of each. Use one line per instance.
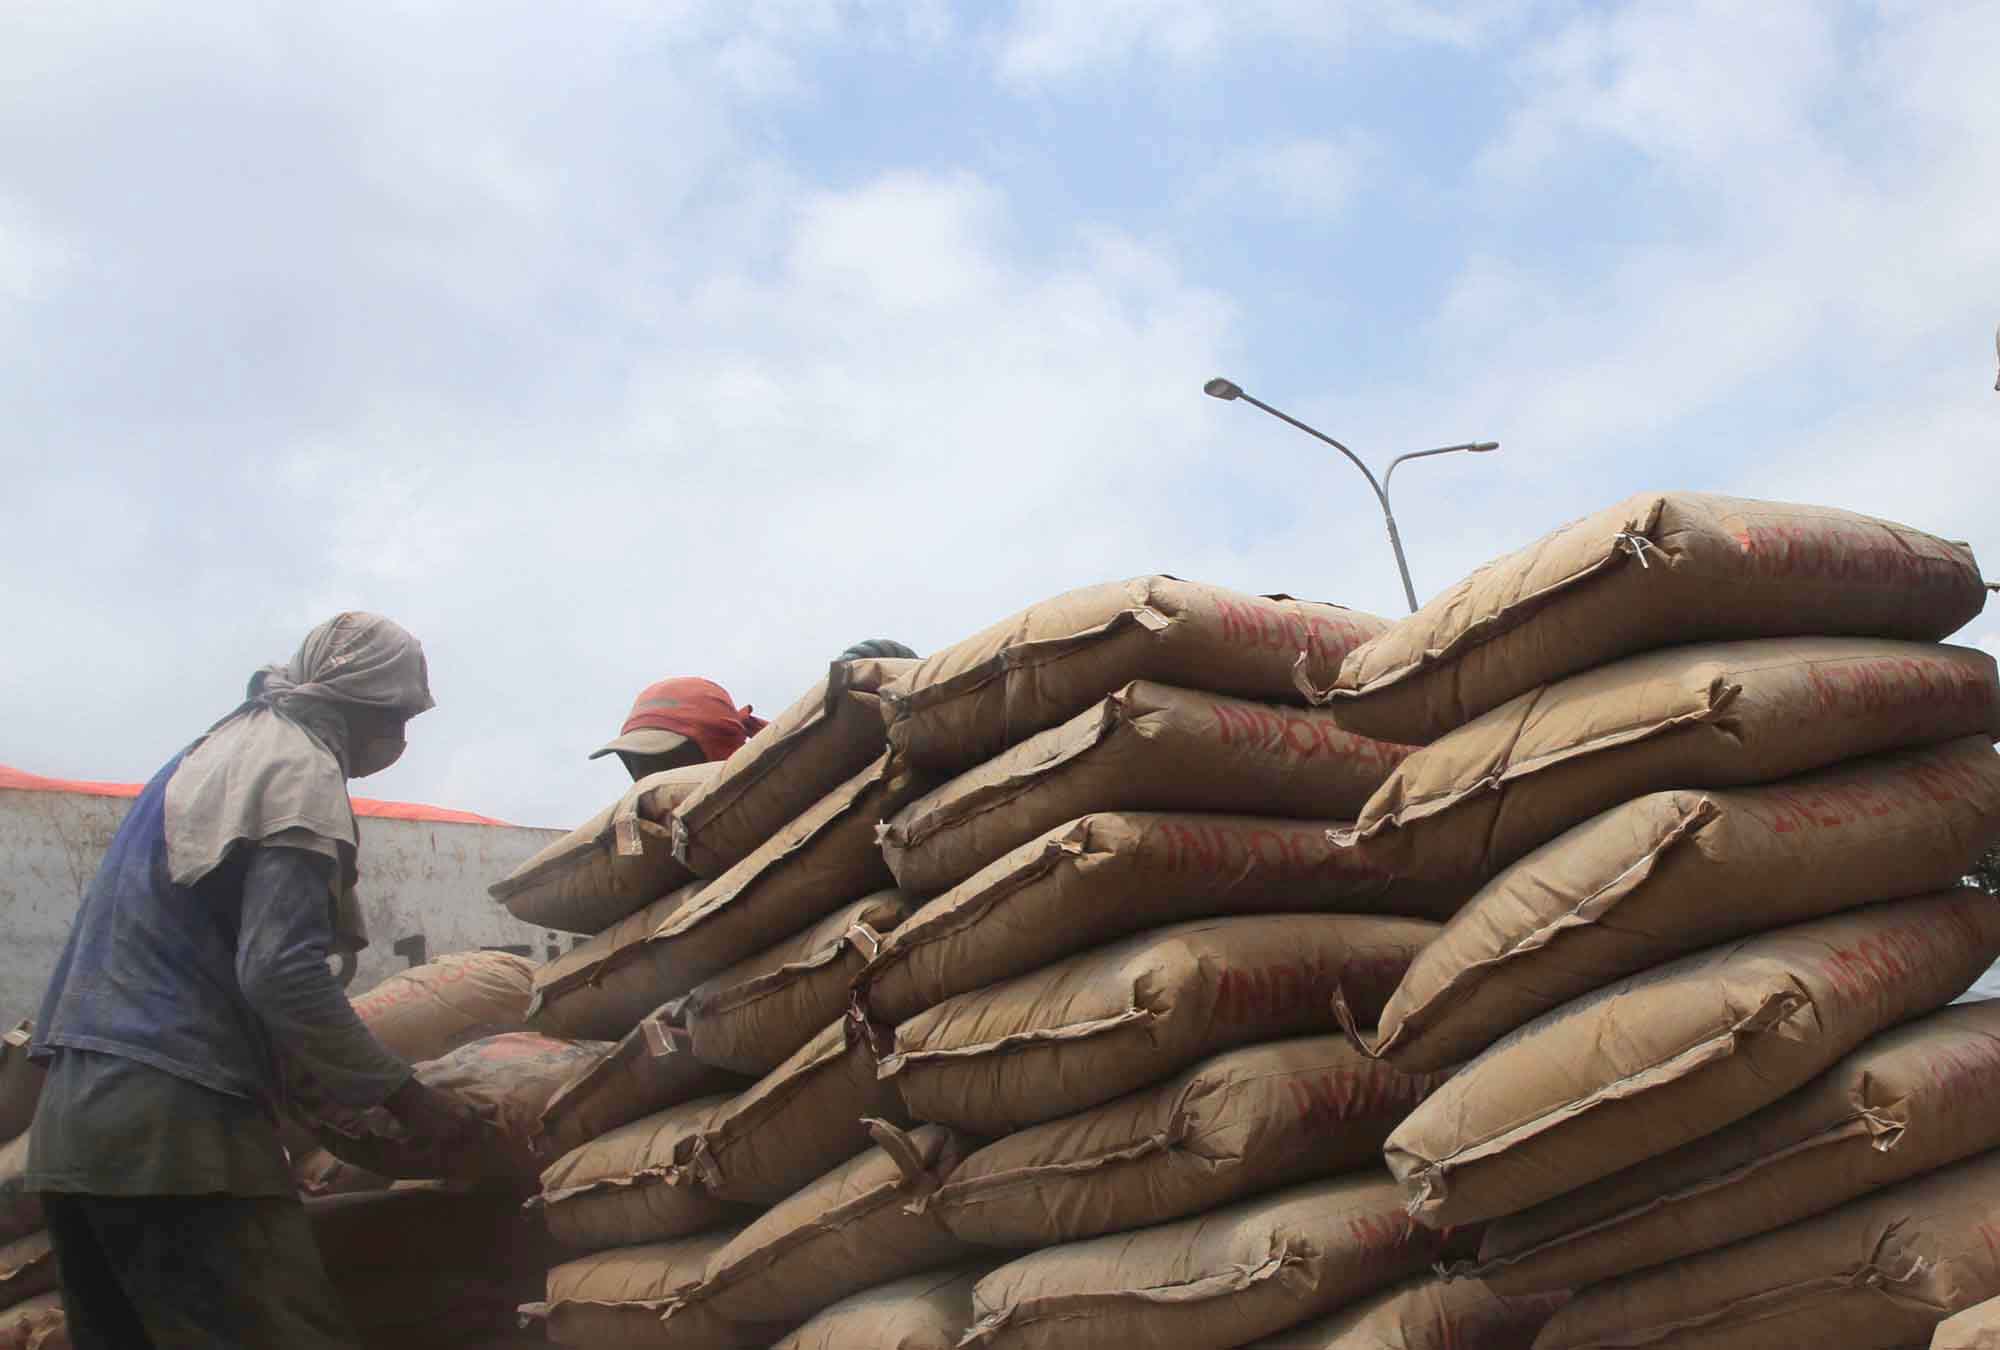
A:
(1229, 391)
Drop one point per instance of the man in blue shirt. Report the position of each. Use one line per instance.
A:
(196, 970)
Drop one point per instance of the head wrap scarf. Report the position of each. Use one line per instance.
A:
(876, 647)
(275, 769)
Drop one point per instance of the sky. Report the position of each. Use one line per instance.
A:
(607, 341)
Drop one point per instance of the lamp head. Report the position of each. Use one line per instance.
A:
(1222, 389)
(1483, 446)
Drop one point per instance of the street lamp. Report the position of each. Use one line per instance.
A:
(1229, 391)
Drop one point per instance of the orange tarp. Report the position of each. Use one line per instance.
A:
(19, 781)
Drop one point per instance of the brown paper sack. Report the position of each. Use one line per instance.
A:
(1977, 1328)
(1147, 747)
(1874, 1274)
(603, 988)
(1217, 1280)
(1727, 715)
(20, 1208)
(1111, 1021)
(20, 1081)
(1656, 1060)
(858, 1226)
(1046, 664)
(1236, 1125)
(832, 733)
(1108, 875)
(616, 1298)
(1674, 872)
(923, 1312)
(755, 1015)
(27, 1268)
(1656, 570)
(1908, 1102)
(1426, 1313)
(428, 1265)
(510, 1078)
(797, 1121)
(461, 997)
(37, 1324)
(618, 861)
(821, 861)
(649, 1070)
(633, 1185)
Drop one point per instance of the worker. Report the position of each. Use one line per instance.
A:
(194, 978)
(686, 720)
(678, 722)
(876, 647)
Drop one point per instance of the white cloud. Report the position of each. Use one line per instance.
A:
(903, 242)
(1051, 41)
(1793, 240)
(1692, 85)
(1309, 178)
(583, 403)
(527, 331)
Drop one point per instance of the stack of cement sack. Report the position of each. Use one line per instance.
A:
(31, 1312)
(1718, 785)
(740, 1165)
(808, 1205)
(1118, 996)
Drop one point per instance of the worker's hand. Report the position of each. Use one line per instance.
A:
(442, 1118)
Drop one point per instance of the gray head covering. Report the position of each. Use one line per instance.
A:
(876, 647)
(275, 769)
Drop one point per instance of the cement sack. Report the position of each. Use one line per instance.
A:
(1426, 1313)
(924, 1312)
(1647, 1064)
(1908, 1102)
(1874, 1274)
(1111, 1021)
(618, 861)
(652, 1068)
(430, 1265)
(813, 866)
(1108, 875)
(633, 1185)
(1220, 1279)
(1046, 664)
(615, 1298)
(1242, 1123)
(319, 1173)
(832, 733)
(1726, 715)
(753, 1016)
(418, 1014)
(602, 989)
(1674, 872)
(1656, 570)
(38, 1324)
(432, 1009)
(20, 1208)
(27, 1268)
(512, 1077)
(861, 1224)
(1977, 1328)
(796, 1122)
(1147, 747)
(20, 1081)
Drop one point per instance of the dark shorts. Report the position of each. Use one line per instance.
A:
(167, 1272)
